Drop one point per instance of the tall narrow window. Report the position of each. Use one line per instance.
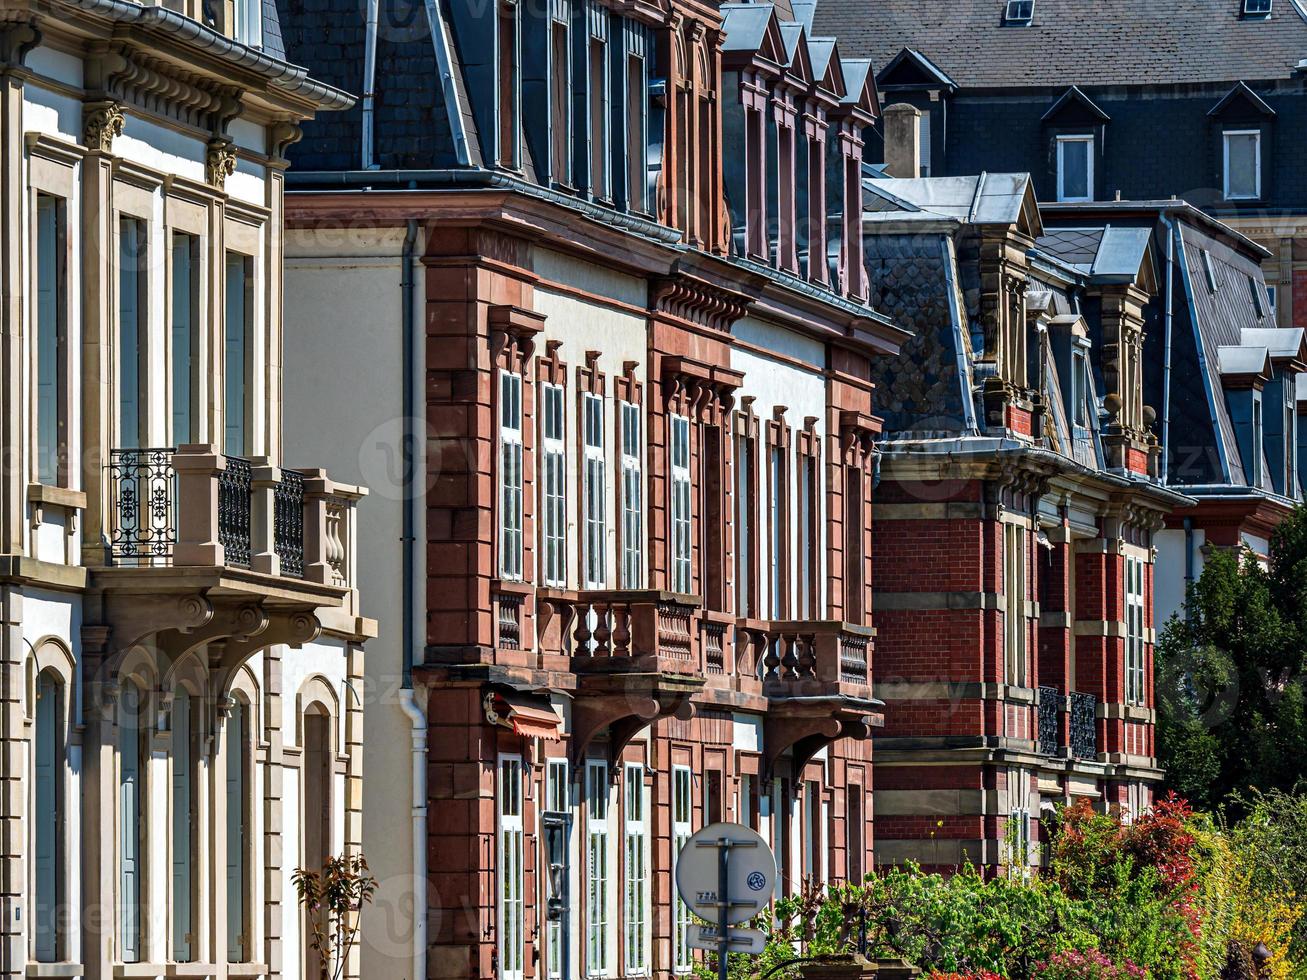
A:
(1014, 591)
(598, 98)
(712, 797)
(811, 830)
(47, 818)
(1243, 164)
(248, 25)
(681, 564)
(316, 814)
(183, 836)
(744, 504)
(809, 533)
(596, 493)
(746, 809)
(51, 341)
(1255, 469)
(560, 100)
(681, 832)
(1135, 690)
(512, 920)
(185, 336)
(510, 475)
(712, 520)
(132, 754)
(239, 839)
(637, 874)
(925, 143)
(510, 123)
(1290, 441)
(1075, 168)
(1018, 819)
(637, 134)
(854, 832)
(133, 326)
(854, 562)
(596, 907)
(1079, 389)
(777, 521)
(238, 350)
(556, 819)
(554, 445)
(632, 499)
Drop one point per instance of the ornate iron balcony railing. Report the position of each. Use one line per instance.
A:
(288, 523)
(234, 511)
(1051, 705)
(143, 494)
(1084, 734)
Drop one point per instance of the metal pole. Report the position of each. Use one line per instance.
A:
(724, 900)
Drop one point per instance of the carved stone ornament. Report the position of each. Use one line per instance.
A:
(102, 121)
(219, 162)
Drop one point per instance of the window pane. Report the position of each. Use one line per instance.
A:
(1242, 162)
(50, 340)
(185, 309)
(237, 351)
(132, 322)
(47, 874)
(1074, 164)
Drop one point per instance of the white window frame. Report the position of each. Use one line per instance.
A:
(511, 518)
(50, 337)
(682, 535)
(598, 864)
(510, 874)
(557, 801)
(1258, 439)
(925, 143)
(632, 496)
(1013, 12)
(1136, 689)
(1019, 848)
(1257, 164)
(553, 510)
(133, 797)
(594, 496)
(636, 815)
(1062, 143)
(682, 830)
(249, 22)
(1016, 626)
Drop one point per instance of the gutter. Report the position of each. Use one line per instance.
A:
(408, 697)
(367, 154)
(279, 74)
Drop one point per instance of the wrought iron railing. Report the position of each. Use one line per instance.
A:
(1084, 735)
(1052, 703)
(234, 511)
(143, 493)
(288, 522)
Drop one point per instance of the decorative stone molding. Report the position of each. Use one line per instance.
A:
(101, 123)
(698, 302)
(219, 162)
(17, 39)
(282, 136)
(124, 73)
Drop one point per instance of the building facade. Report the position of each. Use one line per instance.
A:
(595, 254)
(1133, 101)
(1016, 515)
(180, 621)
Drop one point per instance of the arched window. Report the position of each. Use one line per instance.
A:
(133, 754)
(317, 799)
(239, 838)
(47, 817)
(185, 823)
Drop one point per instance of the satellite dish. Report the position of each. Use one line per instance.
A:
(750, 873)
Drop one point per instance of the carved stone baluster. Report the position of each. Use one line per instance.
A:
(603, 630)
(583, 634)
(789, 656)
(807, 657)
(621, 630)
(772, 657)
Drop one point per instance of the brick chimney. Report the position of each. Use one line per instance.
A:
(903, 140)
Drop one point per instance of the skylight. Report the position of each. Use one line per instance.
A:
(1255, 8)
(1023, 11)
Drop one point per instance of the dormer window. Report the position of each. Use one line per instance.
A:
(1257, 8)
(1257, 440)
(1019, 12)
(510, 99)
(248, 22)
(598, 113)
(560, 104)
(1075, 168)
(1243, 164)
(1258, 308)
(1209, 272)
(1079, 389)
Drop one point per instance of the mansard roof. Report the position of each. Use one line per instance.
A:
(1085, 42)
(1104, 253)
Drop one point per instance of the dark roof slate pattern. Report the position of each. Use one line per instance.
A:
(1074, 42)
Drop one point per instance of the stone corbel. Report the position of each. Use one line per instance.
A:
(17, 39)
(806, 731)
(513, 332)
(102, 122)
(282, 136)
(624, 714)
(219, 162)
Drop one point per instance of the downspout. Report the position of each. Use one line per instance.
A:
(1166, 360)
(408, 700)
(1188, 562)
(368, 101)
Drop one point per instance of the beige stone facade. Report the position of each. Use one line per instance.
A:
(182, 643)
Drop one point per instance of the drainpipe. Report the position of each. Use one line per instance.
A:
(368, 101)
(1166, 362)
(1188, 562)
(408, 699)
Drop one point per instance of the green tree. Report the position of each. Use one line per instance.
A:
(1232, 676)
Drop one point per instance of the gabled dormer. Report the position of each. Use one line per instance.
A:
(824, 95)
(914, 79)
(1245, 371)
(857, 110)
(1242, 128)
(1075, 130)
(789, 95)
(1287, 350)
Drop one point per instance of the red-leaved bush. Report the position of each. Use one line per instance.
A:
(1091, 965)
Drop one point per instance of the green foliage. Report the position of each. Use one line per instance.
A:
(333, 899)
(1173, 896)
(1232, 678)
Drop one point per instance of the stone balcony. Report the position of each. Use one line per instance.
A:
(202, 547)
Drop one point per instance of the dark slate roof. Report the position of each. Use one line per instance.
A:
(273, 46)
(1078, 42)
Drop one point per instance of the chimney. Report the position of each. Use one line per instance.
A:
(903, 140)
